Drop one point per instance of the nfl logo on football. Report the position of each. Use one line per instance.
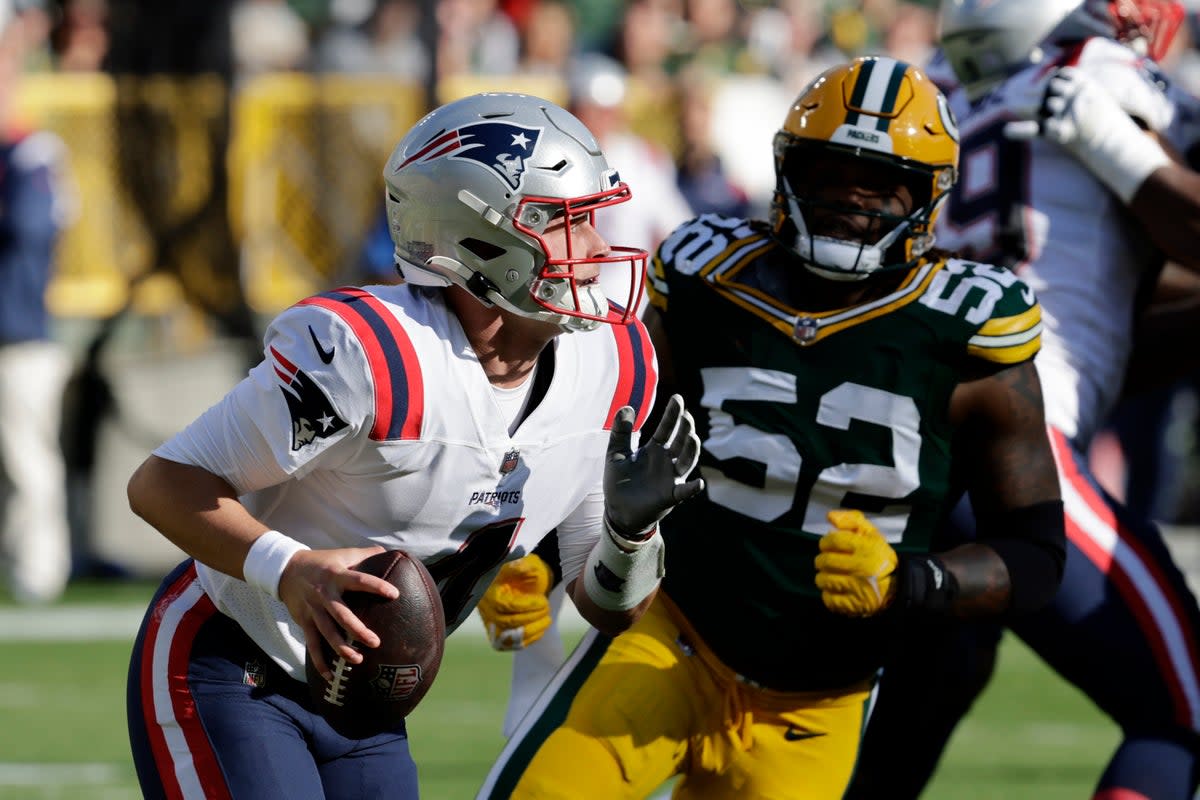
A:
(395, 682)
(805, 330)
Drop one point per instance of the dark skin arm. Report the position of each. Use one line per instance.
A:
(999, 420)
(1167, 205)
(1001, 428)
(1172, 318)
(607, 622)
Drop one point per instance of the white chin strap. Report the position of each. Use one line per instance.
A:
(841, 260)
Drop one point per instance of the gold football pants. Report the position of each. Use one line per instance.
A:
(623, 716)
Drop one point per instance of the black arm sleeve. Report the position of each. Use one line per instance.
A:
(547, 550)
(1032, 542)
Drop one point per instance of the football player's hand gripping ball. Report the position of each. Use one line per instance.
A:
(516, 607)
(641, 487)
(856, 569)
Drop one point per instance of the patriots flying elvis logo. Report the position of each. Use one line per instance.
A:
(501, 146)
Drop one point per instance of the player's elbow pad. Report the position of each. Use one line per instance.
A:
(1032, 542)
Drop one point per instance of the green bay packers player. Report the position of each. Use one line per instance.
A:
(851, 382)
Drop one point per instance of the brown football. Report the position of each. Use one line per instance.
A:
(375, 696)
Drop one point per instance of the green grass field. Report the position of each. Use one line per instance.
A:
(62, 722)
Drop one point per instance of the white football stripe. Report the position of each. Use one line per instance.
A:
(164, 709)
(1164, 619)
(881, 76)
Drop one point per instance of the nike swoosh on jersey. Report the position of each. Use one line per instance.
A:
(326, 355)
(794, 734)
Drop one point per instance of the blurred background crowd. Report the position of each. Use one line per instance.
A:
(220, 160)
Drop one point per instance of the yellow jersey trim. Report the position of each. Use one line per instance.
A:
(721, 275)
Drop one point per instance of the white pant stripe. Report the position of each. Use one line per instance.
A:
(1165, 620)
(164, 710)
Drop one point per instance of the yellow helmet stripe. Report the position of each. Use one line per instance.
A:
(876, 90)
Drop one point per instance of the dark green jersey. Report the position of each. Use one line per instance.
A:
(803, 413)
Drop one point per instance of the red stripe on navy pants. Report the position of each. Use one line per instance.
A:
(186, 762)
(1117, 553)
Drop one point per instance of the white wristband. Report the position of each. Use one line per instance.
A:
(1123, 164)
(616, 578)
(267, 558)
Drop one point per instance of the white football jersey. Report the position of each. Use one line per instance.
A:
(1031, 206)
(371, 421)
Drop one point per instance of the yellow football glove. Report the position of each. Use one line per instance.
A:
(516, 607)
(856, 570)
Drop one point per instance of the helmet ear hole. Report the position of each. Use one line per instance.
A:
(484, 251)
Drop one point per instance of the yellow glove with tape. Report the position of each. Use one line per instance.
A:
(516, 607)
(856, 569)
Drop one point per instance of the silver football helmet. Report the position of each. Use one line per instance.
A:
(985, 41)
(472, 188)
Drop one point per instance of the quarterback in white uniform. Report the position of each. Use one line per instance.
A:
(1060, 105)
(386, 455)
(446, 417)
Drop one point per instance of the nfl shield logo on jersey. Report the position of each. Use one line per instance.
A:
(805, 330)
(511, 459)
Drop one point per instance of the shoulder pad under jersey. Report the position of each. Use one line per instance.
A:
(1000, 315)
(695, 247)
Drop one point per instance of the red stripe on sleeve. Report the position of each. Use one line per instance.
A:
(376, 360)
(283, 362)
(412, 370)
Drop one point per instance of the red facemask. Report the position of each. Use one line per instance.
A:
(1153, 22)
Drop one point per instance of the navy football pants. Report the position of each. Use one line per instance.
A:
(211, 716)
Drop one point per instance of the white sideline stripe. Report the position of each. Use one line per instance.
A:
(75, 623)
(16, 774)
(70, 623)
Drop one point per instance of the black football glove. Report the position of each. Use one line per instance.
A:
(641, 488)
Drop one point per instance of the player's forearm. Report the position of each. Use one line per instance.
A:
(606, 621)
(1158, 359)
(196, 510)
(1016, 565)
(982, 581)
(1167, 205)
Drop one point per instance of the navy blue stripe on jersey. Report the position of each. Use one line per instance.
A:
(399, 389)
(636, 379)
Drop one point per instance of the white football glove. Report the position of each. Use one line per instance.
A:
(1078, 113)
